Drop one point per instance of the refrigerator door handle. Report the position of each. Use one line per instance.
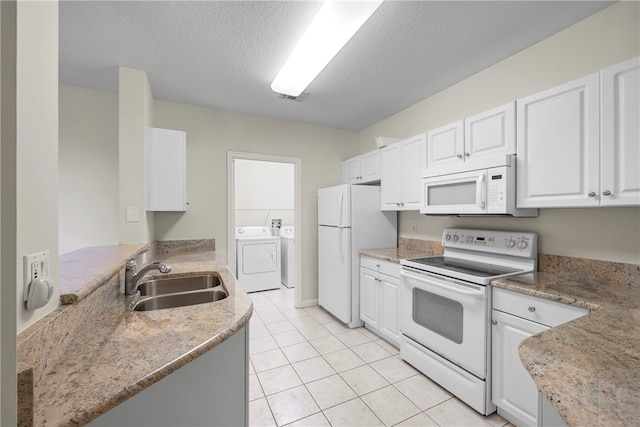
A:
(339, 222)
(340, 230)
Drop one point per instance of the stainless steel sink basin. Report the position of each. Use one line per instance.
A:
(171, 285)
(179, 299)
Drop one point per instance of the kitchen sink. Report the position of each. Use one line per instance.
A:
(182, 299)
(171, 285)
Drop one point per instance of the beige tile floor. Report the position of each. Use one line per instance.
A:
(308, 369)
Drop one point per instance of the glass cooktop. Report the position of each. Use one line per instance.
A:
(472, 268)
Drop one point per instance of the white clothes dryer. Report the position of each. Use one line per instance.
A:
(257, 258)
(288, 251)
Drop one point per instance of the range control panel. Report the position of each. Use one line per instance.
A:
(515, 243)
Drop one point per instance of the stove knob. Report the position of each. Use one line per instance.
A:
(510, 243)
(447, 237)
(522, 244)
(455, 238)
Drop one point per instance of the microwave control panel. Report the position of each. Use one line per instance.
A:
(497, 189)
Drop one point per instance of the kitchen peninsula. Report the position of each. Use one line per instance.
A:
(93, 354)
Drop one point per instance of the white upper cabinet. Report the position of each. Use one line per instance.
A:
(401, 164)
(472, 143)
(445, 145)
(558, 146)
(620, 134)
(362, 169)
(578, 143)
(166, 170)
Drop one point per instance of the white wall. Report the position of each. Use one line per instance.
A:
(88, 169)
(263, 191)
(37, 144)
(135, 117)
(606, 38)
(211, 134)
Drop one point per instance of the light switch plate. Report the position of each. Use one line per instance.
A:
(132, 214)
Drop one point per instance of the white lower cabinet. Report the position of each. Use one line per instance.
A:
(212, 390)
(516, 317)
(379, 282)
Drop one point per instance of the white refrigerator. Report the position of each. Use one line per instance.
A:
(349, 219)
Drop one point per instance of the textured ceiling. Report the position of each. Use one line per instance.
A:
(225, 54)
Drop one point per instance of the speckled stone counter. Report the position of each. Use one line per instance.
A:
(589, 368)
(105, 353)
(407, 248)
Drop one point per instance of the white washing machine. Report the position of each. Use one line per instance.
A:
(288, 250)
(257, 258)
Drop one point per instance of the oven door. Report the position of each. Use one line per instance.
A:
(460, 193)
(448, 316)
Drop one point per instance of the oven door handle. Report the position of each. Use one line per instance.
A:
(464, 289)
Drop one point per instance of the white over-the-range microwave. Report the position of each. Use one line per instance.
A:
(487, 191)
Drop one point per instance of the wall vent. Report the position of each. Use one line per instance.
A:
(298, 98)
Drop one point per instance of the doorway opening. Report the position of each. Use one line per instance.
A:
(244, 173)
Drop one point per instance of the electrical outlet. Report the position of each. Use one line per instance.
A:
(414, 228)
(35, 266)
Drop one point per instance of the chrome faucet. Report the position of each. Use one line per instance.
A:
(132, 276)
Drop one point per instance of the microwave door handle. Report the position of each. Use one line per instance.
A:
(480, 190)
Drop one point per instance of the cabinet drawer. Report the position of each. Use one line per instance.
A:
(535, 309)
(389, 268)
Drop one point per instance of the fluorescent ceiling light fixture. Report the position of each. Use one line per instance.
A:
(332, 27)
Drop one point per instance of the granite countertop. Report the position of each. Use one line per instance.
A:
(395, 254)
(588, 368)
(119, 353)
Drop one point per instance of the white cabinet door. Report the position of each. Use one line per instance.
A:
(391, 177)
(389, 308)
(370, 166)
(166, 170)
(369, 297)
(445, 145)
(558, 137)
(513, 390)
(362, 169)
(351, 170)
(414, 160)
(490, 134)
(620, 140)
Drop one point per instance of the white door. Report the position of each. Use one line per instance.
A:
(558, 142)
(389, 307)
(449, 316)
(391, 177)
(414, 160)
(369, 297)
(334, 272)
(259, 257)
(334, 206)
(351, 170)
(445, 145)
(513, 390)
(620, 141)
(490, 133)
(370, 165)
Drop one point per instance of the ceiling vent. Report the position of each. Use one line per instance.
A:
(298, 98)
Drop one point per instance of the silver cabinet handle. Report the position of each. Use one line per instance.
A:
(459, 155)
(494, 322)
(532, 309)
(606, 193)
(592, 194)
(467, 154)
